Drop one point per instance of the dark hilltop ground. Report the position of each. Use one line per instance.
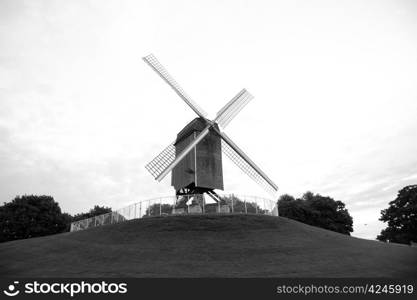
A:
(206, 246)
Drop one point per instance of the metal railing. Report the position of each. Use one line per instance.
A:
(182, 205)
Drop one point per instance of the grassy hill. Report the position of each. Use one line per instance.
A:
(206, 246)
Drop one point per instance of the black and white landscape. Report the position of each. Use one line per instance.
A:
(330, 130)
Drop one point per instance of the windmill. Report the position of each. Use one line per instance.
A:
(195, 156)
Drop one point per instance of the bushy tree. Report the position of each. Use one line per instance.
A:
(317, 210)
(31, 216)
(401, 216)
(292, 208)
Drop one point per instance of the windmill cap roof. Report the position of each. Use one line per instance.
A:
(196, 125)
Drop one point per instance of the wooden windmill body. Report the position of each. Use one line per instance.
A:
(201, 169)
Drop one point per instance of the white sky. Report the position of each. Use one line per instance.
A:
(334, 83)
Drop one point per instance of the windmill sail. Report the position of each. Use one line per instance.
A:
(181, 156)
(157, 165)
(241, 160)
(161, 71)
(232, 108)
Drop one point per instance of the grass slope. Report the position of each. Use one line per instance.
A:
(206, 246)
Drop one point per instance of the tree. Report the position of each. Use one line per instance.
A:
(317, 210)
(95, 211)
(31, 216)
(330, 214)
(401, 216)
(292, 208)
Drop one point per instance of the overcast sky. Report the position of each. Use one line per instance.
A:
(335, 86)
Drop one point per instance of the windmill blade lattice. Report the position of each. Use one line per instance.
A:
(161, 161)
(239, 161)
(233, 107)
(179, 157)
(158, 68)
